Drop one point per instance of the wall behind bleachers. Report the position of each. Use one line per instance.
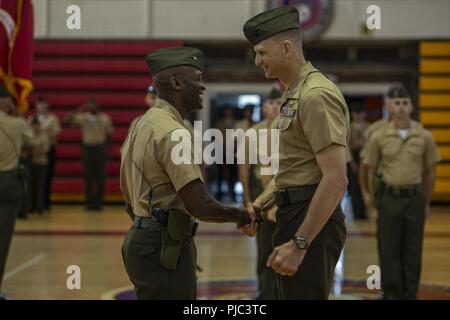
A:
(223, 19)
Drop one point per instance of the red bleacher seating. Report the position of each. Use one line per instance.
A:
(69, 72)
(118, 118)
(92, 82)
(73, 151)
(111, 66)
(74, 168)
(74, 135)
(75, 185)
(112, 100)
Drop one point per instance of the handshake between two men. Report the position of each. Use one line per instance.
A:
(262, 208)
(257, 215)
(285, 258)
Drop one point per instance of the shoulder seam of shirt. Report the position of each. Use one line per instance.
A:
(165, 130)
(310, 89)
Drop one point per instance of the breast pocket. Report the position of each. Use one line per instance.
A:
(416, 146)
(390, 147)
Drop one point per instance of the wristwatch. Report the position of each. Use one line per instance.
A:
(302, 243)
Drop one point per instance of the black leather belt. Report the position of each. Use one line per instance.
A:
(147, 224)
(284, 197)
(402, 191)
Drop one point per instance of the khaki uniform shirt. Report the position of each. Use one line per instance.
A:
(357, 136)
(147, 161)
(50, 123)
(40, 144)
(380, 124)
(402, 162)
(94, 128)
(17, 130)
(313, 116)
(188, 125)
(133, 123)
(243, 124)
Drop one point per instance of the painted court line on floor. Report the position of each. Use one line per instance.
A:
(24, 266)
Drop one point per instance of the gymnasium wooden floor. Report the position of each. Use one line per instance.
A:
(44, 246)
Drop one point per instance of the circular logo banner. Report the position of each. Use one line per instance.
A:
(315, 15)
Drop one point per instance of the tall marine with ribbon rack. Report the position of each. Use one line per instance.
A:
(16, 49)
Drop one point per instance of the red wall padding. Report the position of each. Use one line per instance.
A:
(111, 100)
(74, 135)
(68, 185)
(73, 152)
(119, 118)
(114, 72)
(75, 168)
(92, 83)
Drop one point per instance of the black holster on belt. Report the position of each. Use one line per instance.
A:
(179, 225)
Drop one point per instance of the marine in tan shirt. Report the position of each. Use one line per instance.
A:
(51, 125)
(406, 155)
(247, 121)
(402, 161)
(313, 116)
(227, 171)
(314, 128)
(154, 166)
(40, 144)
(163, 193)
(96, 136)
(49, 121)
(96, 127)
(356, 143)
(358, 128)
(13, 130)
(18, 131)
(380, 124)
(270, 110)
(254, 178)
